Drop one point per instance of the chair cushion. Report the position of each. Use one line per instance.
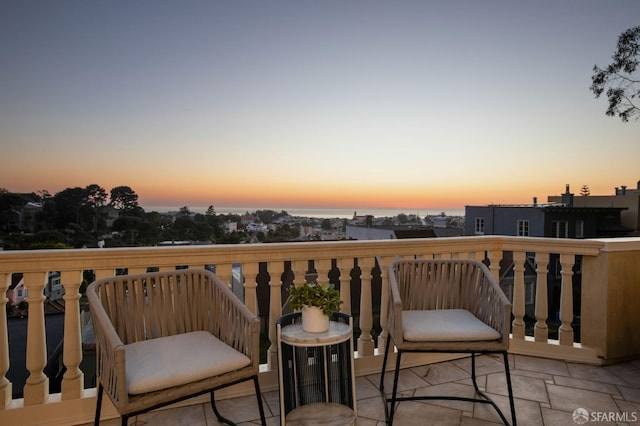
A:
(166, 362)
(445, 325)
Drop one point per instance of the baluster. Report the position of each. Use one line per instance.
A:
(5, 384)
(224, 272)
(494, 263)
(276, 269)
(299, 269)
(250, 272)
(517, 326)
(36, 388)
(323, 266)
(73, 379)
(365, 342)
(541, 330)
(345, 265)
(565, 334)
(383, 262)
(103, 273)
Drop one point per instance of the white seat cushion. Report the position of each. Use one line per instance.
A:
(445, 325)
(166, 362)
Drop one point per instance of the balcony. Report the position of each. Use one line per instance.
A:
(574, 329)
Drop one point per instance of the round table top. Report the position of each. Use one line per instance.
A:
(321, 413)
(293, 334)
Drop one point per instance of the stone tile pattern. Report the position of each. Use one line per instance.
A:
(547, 392)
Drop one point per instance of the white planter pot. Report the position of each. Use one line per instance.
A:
(314, 320)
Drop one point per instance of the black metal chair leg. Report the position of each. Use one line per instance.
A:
(384, 363)
(259, 396)
(124, 420)
(96, 420)
(384, 367)
(219, 416)
(395, 389)
(473, 372)
(510, 389)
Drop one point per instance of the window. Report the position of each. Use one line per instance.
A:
(579, 229)
(479, 225)
(529, 292)
(559, 229)
(523, 228)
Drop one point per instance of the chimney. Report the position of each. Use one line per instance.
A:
(535, 201)
(567, 198)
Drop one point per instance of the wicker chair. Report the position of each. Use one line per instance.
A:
(452, 306)
(168, 336)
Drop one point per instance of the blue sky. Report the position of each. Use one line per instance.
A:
(300, 103)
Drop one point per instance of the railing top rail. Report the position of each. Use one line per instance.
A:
(71, 259)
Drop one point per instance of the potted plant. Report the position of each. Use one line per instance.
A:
(317, 303)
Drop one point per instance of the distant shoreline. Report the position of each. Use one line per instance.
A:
(318, 212)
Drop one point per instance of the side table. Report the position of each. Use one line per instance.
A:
(316, 372)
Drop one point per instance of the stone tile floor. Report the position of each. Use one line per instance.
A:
(546, 393)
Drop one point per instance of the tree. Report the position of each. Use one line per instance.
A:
(96, 196)
(585, 191)
(69, 207)
(619, 79)
(123, 197)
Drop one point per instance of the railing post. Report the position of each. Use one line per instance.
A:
(103, 273)
(323, 266)
(73, 379)
(541, 330)
(345, 265)
(517, 326)
(5, 384)
(224, 271)
(36, 388)
(565, 334)
(250, 272)
(365, 342)
(276, 269)
(495, 256)
(299, 269)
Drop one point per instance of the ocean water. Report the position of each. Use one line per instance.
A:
(319, 212)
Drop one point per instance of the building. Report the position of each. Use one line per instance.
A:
(555, 220)
(18, 292)
(623, 197)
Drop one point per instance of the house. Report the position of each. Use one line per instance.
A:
(18, 292)
(29, 216)
(255, 227)
(555, 220)
(230, 226)
(110, 214)
(623, 197)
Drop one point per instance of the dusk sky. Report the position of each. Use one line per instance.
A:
(344, 104)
